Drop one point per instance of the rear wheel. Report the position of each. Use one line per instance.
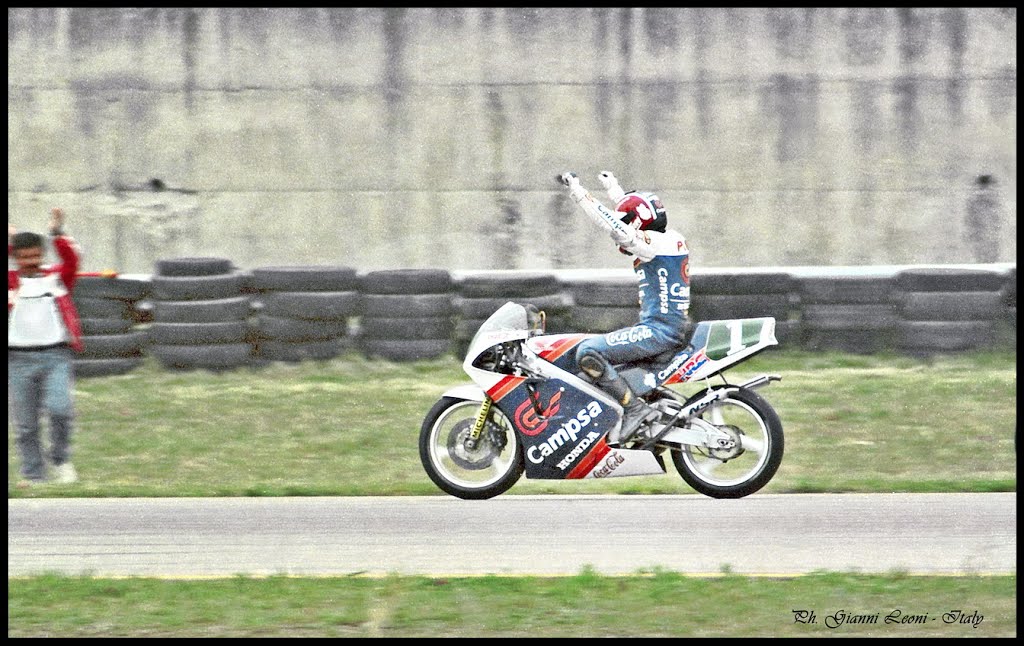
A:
(739, 471)
(484, 471)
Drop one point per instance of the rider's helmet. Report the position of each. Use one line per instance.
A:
(643, 210)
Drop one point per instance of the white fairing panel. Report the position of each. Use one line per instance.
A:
(626, 462)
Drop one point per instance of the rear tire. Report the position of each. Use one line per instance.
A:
(490, 469)
(746, 413)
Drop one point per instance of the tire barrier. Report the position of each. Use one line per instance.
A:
(235, 308)
(607, 292)
(206, 314)
(858, 329)
(847, 313)
(200, 315)
(479, 295)
(407, 314)
(163, 333)
(747, 295)
(1009, 290)
(190, 267)
(604, 304)
(106, 310)
(1006, 325)
(211, 356)
(305, 279)
(304, 311)
(947, 309)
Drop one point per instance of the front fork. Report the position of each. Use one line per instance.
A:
(478, 425)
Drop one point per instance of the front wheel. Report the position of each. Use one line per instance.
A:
(739, 471)
(484, 471)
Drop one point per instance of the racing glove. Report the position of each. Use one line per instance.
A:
(610, 184)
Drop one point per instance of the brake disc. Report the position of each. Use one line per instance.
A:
(474, 459)
(725, 451)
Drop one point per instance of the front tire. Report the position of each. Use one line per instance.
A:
(736, 473)
(483, 472)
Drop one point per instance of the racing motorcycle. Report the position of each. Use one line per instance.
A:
(528, 411)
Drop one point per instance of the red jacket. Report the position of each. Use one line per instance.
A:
(67, 249)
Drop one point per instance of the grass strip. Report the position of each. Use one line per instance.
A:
(648, 604)
(853, 423)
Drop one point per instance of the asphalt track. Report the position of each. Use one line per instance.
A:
(770, 535)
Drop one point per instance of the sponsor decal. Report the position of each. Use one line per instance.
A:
(679, 290)
(568, 432)
(695, 362)
(578, 450)
(684, 270)
(663, 289)
(527, 419)
(630, 335)
(672, 367)
(611, 464)
(491, 338)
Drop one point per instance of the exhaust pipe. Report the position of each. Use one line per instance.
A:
(759, 382)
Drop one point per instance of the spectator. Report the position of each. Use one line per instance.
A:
(984, 220)
(42, 331)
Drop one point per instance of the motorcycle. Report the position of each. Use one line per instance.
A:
(528, 411)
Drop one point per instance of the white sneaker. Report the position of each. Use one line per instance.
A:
(65, 473)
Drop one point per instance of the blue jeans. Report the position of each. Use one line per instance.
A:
(41, 380)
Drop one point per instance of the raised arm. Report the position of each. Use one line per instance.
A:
(621, 233)
(65, 247)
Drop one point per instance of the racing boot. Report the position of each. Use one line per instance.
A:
(634, 413)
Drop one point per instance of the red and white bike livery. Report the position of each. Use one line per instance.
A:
(528, 411)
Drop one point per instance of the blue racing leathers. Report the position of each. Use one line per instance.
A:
(664, 303)
(662, 267)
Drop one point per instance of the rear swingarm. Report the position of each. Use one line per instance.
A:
(709, 436)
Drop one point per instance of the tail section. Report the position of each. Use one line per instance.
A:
(716, 345)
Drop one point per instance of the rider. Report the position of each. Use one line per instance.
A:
(638, 226)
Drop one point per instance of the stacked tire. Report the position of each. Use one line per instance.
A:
(946, 309)
(200, 315)
(604, 305)
(304, 311)
(481, 294)
(852, 314)
(106, 306)
(407, 314)
(1009, 314)
(715, 296)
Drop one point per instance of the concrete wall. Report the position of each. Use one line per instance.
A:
(388, 137)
